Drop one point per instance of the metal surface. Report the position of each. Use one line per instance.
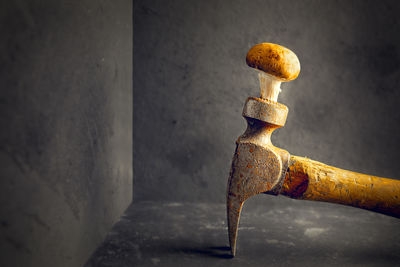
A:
(266, 111)
(257, 165)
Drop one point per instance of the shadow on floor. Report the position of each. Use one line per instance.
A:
(222, 252)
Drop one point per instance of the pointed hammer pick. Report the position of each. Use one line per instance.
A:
(260, 167)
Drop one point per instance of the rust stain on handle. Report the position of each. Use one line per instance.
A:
(312, 180)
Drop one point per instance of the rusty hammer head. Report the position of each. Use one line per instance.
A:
(258, 166)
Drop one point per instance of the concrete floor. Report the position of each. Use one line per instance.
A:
(274, 231)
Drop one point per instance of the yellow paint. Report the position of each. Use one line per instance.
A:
(316, 181)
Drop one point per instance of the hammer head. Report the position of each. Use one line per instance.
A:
(257, 166)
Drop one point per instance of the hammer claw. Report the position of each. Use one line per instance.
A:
(234, 207)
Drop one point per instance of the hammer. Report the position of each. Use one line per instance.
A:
(260, 167)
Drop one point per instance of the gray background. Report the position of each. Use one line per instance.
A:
(66, 117)
(191, 80)
(66, 127)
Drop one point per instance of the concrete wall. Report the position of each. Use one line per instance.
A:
(66, 127)
(191, 81)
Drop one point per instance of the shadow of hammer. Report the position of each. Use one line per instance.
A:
(260, 167)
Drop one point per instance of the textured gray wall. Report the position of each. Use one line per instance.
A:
(66, 127)
(191, 81)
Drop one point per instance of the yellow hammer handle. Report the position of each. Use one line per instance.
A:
(311, 180)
